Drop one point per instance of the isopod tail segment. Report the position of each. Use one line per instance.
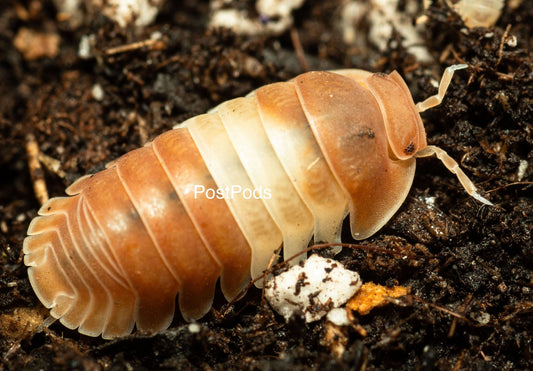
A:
(115, 254)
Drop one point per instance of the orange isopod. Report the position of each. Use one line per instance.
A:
(216, 196)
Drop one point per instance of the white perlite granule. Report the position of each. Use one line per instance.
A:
(312, 289)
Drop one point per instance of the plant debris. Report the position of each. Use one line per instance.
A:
(371, 296)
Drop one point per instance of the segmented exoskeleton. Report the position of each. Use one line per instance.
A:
(216, 196)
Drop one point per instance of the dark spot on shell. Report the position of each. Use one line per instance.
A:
(173, 196)
(366, 132)
(134, 214)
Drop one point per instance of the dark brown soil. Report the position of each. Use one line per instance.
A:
(469, 266)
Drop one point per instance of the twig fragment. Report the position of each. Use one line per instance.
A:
(36, 171)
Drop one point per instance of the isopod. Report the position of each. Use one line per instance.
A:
(217, 195)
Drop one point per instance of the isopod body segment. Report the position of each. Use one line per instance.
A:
(129, 239)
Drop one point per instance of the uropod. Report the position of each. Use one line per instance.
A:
(216, 196)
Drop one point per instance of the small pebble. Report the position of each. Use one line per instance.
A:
(97, 92)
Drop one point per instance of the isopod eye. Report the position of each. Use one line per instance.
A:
(405, 130)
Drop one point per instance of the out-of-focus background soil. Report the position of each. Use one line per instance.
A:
(85, 90)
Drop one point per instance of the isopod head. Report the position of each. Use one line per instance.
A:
(405, 129)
